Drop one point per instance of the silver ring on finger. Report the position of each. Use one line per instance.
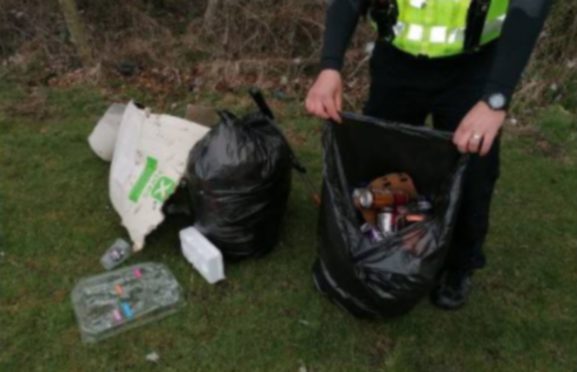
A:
(476, 137)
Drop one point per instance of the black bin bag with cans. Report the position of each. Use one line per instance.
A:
(386, 278)
(239, 179)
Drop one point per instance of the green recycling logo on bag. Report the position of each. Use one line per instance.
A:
(152, 183)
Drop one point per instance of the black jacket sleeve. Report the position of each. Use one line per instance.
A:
(341, 20)
(521, 30)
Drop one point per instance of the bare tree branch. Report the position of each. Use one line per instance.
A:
(77, 30)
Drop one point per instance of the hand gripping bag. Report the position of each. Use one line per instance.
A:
(386, 278)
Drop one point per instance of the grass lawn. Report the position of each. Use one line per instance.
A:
(56, 221)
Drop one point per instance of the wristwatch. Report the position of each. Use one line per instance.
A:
(496, 101)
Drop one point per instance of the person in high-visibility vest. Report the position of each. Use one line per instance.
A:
(457, 60)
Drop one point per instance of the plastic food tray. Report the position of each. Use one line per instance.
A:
(116, 301)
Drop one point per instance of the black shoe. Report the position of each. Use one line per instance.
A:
(453, 290)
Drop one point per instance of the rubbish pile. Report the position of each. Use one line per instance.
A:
(236, 177)
(388, 206)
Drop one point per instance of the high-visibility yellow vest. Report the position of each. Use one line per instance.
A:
(437, 28)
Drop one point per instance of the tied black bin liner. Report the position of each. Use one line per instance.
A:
(387, 278)
(239, 180)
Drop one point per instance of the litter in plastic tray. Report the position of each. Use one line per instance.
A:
(113, 302)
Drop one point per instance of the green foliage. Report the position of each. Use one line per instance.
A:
(558, 125)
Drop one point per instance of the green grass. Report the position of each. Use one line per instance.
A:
(56, 221)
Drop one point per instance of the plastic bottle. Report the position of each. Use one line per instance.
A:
(118, 252)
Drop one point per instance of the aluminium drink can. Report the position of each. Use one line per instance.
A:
(363, 197)
(385, 221)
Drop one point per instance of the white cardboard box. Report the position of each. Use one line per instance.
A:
(202, 254)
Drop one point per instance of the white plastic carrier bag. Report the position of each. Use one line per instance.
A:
(149, 157)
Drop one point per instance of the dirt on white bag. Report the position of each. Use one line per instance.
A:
(149, 159)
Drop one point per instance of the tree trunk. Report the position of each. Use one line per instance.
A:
(77, 31)
(210, 14)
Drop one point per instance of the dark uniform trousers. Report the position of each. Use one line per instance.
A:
(407, 89)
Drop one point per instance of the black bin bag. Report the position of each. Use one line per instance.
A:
(386, 278)
(239, 180)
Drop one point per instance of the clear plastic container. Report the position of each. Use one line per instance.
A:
(119, 300)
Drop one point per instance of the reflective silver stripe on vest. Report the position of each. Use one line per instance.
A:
(437, 34)
(494, 26)
(398, 28)
(456, 36)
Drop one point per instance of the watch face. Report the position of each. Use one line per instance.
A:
(497, 101)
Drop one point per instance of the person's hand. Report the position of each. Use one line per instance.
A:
(478, 130)
(325, 96)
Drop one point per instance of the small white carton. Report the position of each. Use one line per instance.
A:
(202, 254)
